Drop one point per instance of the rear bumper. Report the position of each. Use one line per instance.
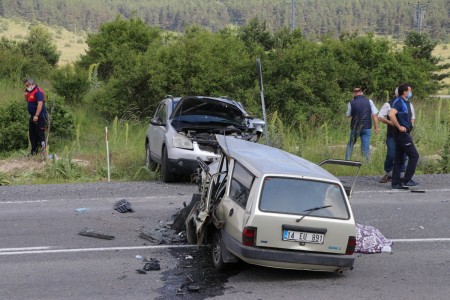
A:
(287, 258)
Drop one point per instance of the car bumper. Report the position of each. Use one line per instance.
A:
(183, 161)
(288, 259)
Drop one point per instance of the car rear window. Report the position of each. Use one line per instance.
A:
(301, 197)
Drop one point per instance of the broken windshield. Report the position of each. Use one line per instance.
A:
(298, 196)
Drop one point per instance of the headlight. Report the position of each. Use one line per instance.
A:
(181, 141)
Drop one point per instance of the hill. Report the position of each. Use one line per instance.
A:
(70, 44)
(313, 17)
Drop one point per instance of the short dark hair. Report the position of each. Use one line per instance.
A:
(28, 80)
(403, 88)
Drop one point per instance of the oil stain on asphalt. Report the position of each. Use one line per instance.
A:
(195, 276)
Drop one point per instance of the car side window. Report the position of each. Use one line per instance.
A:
(241, 183)
(162, 113)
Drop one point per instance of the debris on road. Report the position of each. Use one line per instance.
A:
(151, 265)
(417, 191)
(93, 234)
(148, 237)
(123, 206)
(82, 210)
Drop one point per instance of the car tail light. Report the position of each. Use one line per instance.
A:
(351, 244)
(249, 236)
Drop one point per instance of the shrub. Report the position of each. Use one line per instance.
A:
(70, 82)
(14, 129)
(14, 120)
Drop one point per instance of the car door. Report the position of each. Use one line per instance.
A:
(157, 130)
(232, 208)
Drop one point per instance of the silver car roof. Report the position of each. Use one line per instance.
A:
(261, 159)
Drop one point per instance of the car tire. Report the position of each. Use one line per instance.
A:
(166, 175)
(149, 162)
(216, 251)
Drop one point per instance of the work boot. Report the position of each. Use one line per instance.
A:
(385, 179)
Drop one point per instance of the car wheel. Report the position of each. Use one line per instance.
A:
(167, 176)
(216, 251)
(149, 162)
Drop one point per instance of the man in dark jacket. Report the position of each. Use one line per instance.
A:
(401, 117)
(361, 110)
(35, 98)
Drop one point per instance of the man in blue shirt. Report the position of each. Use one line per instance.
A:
(401, 117)
(35, 98)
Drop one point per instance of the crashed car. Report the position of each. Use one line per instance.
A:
(183, 129)
(270, 208)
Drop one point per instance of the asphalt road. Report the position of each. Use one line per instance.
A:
(42, 256)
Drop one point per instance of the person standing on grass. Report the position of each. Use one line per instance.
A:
(35, 98)
(401, 117)
(390, 142)
(362, 111)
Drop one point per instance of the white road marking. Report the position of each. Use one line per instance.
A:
(23, 249)
(27, 201)
(95, 199)
(421, 240)
(400, 191)
(48, 250)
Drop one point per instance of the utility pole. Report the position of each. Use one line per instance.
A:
(293, 15)
(419, 15)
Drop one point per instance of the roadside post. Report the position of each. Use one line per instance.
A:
(107, 154)
(258, 66)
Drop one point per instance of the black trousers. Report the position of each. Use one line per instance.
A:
(36, 131)
(404, 144)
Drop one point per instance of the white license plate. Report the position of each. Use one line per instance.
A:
(303, 237)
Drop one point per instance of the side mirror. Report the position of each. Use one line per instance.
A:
(156, 121)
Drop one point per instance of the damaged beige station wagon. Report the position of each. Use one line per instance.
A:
(271, 208)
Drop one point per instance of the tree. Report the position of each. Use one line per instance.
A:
(70, 82)
(39, 43)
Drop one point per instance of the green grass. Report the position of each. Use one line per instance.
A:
(83, 159)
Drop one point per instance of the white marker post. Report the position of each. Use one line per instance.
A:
(107, 154)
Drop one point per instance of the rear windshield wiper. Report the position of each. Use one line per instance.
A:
(311, 210)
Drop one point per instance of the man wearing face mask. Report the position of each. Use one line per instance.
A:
(401, 117)
(35, 98)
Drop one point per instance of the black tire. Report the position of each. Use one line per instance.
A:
(166, 175)
(216, 251)
(149, 162)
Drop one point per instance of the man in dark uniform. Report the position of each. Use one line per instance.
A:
(362, 111)
(35, 98)
(400, 116)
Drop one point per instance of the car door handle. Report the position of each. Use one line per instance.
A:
(231, 212)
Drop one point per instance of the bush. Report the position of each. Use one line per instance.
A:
(70, 82)
(14, 119)
(14, 129)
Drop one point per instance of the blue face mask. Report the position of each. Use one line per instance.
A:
(409, 95)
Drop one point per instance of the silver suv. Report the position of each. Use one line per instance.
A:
(184, 128)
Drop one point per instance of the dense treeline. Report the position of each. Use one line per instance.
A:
(304, 80)
(130, 66)
(313, 17)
